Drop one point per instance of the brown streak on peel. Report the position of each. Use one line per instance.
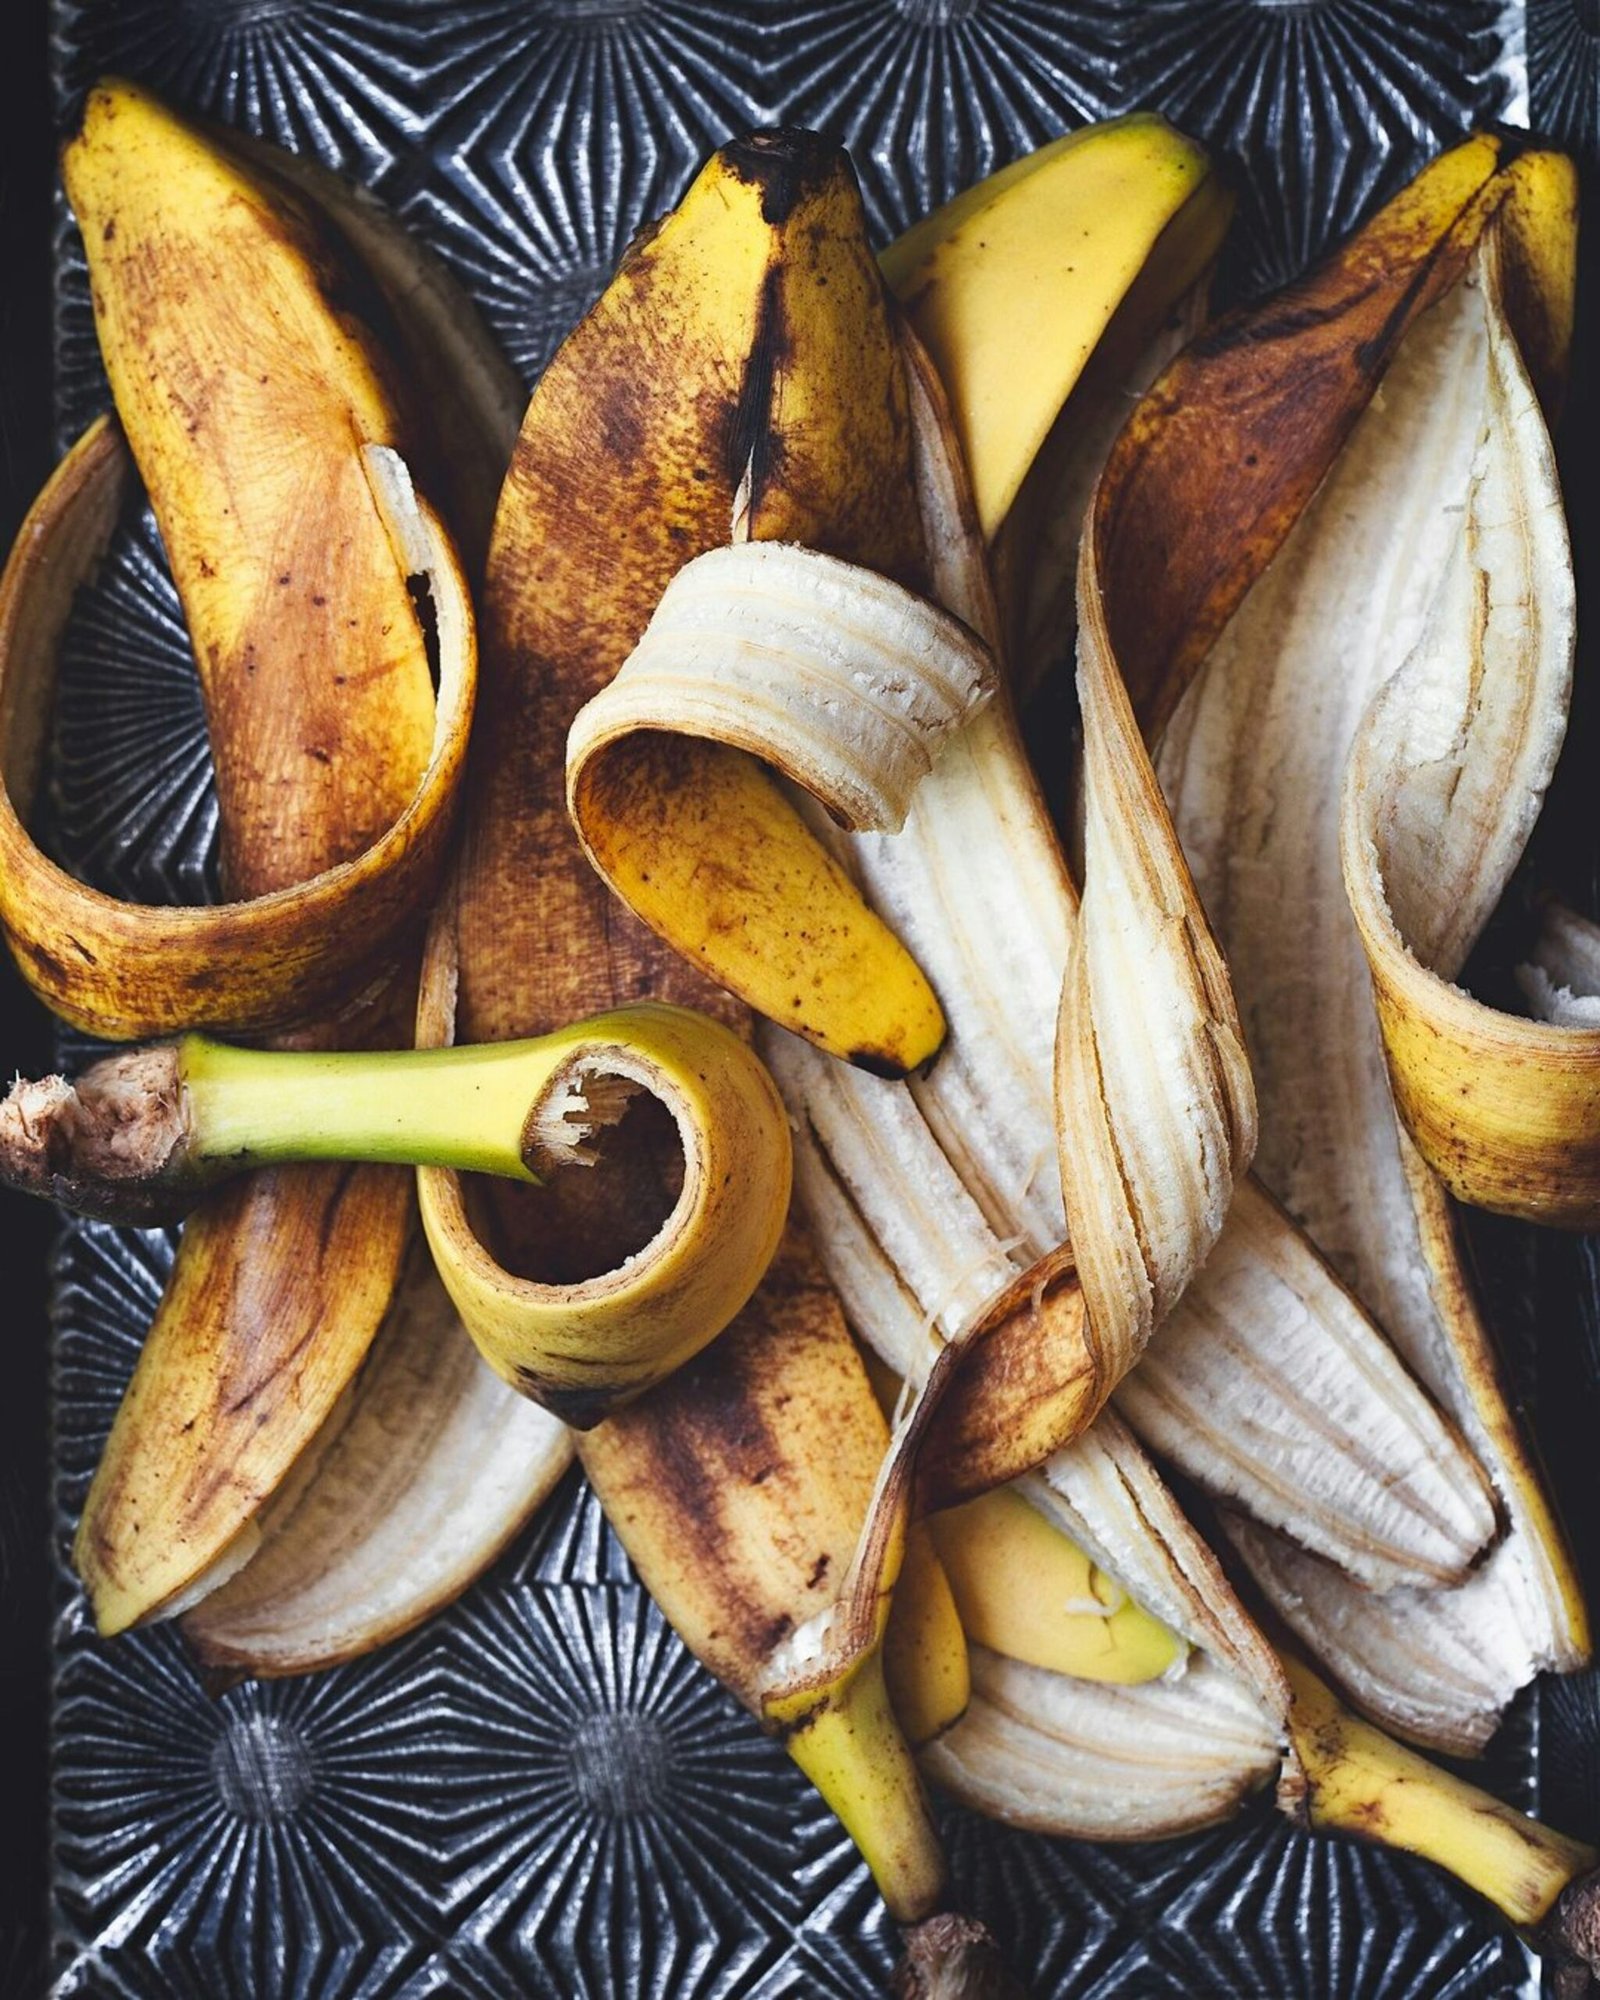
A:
(1224, 404)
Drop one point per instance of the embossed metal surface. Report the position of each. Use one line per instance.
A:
(541, 1793)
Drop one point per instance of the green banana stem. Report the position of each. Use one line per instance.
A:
(456, 1107)
(142, 1135)
(844, 1738)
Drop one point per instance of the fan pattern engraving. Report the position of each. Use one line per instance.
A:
(542, 1792)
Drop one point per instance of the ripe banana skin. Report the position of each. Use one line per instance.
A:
(1505, 1110)
(710, 383)
(1019, 251)
(317, 421)
(1358, 1781)
(282, 1280)
(752, 863)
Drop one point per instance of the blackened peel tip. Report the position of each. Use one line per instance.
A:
(578, 1409)
(787, 162)
(876, 1063)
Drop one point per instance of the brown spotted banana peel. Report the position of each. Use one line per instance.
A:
(739, 1486)
(1330, 1380)
(325, 919)
(345, 1564)
(1448, 455)
(942, 1446)
(234, 1373)
(965, 1261)
(1333, 1376)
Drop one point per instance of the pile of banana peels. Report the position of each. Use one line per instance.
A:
(637, 878)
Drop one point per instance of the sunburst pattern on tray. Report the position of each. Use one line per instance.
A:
(1564, 70)
(542, 1792)
(134, 808)
(1324, 107)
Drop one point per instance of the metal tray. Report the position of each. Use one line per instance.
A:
(541, 1793)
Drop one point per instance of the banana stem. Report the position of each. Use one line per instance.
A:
(142, 1135)
(454, 1107)
(850, 1747)
(1361, 1782)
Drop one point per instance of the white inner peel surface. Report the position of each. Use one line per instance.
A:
(1409, 527)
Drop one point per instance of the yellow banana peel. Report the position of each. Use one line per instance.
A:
(694, 834)
(584, 1347)
(1057, 240)
(318, 423)
(1359, 1781)
(147, 1135)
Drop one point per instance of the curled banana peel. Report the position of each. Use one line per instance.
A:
(1450, 766)
(841, 680)
(672, 807)
(718, 372)
(284, 1281)
(143, 1136)
(327, 924)
(1359, 1781)
(1377, 422)
(583, 1348)
(286, 955)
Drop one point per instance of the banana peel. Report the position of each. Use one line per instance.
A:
(284, 1283)
(281, 1282)
(1060, 238)
(705, 389)
(744, 852)
(1446, 776)
(1418, 306)
(144, 1136)
(328, 914)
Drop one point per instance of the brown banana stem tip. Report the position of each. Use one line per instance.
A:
(112, 1145)
(1570, 1938)
(953, 1958)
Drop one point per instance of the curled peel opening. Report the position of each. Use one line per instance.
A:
(835, 678)
(843, 680)
(124, 970)
(583, 1348)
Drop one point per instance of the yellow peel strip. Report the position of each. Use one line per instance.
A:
(1445, 779)
(843, 679)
